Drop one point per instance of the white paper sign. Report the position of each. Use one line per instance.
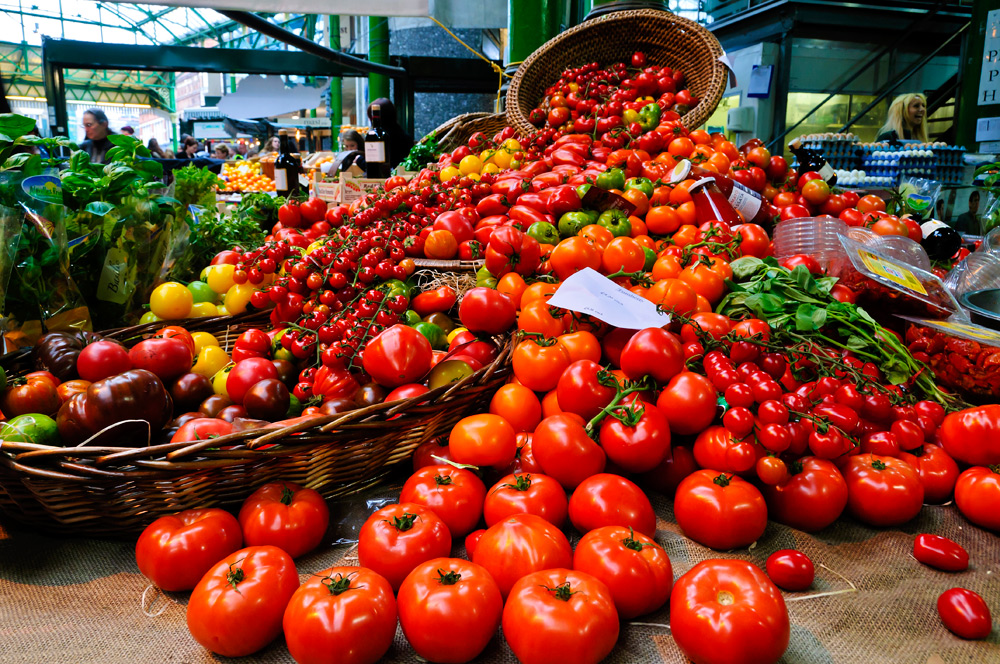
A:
(989, 76)
(589, 292)
(987, 129)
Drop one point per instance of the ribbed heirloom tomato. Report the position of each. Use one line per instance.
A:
(728, 612)
(519, 545)
(449, 610)
(343, 614)
(175, 551)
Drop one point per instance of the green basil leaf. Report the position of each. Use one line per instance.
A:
(809, 318)
(12, 125)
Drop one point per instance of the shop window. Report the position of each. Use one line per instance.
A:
(717, 121)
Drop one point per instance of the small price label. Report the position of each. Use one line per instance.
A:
(112, 286)
(892, 271)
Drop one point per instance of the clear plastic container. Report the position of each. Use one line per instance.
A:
(816, 237)
(977, 271)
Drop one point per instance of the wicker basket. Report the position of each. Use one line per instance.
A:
(115, 490)
(665, 38)
(457, 131)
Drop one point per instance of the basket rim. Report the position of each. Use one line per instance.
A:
(517, 119)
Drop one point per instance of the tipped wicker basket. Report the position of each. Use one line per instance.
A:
(457, 131)
(117, 489)
(665, 38)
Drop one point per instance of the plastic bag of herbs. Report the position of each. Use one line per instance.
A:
(121, 229)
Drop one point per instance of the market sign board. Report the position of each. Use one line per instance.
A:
(989, 78)
(334, 7)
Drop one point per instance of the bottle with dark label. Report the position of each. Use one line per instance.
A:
(286, 167)
(813, 160)
(377, 148)
(940, 240)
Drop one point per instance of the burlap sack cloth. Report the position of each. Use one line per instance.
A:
(79, 600)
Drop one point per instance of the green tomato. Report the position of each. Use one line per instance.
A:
(571, 223)
(582, 190)
(645, 185)
(441, 320)
(449, 371)
(411, 317)
(295, 407)
(650, 259)
(394, 287)
(544, 232)
(488, 282)
(613, 178)
(32, 428)
(483, 273)
(202, 292)
(433, 334)
(617, 222)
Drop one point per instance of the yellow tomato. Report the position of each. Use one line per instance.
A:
(203, 340)
(454, 333)
(238, 297)
(486, 156)
(219, 380)
(221, 309)
(490, 168)
(470, 164)
(209, 361)
(149, 317)
(448, 173)
(171, 301)
(220, 277)
(511, 145)
(203, 310)
(502, 159)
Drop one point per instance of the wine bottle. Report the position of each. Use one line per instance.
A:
(377, 148)
(286, 168)
(940, 240)
(813, 160)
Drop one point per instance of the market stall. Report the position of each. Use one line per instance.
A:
(571, 381)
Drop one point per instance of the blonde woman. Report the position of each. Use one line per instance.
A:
(906, 121)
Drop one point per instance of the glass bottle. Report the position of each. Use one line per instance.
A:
(377, 148)
(286, 168)
(813, 160)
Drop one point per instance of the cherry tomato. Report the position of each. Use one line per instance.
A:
(965, 613)
(790, 570)
(940, 553)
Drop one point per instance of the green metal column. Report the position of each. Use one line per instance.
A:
(974, 57)
(173, 111)
(531, 23)
(336, 109)
(378, 51)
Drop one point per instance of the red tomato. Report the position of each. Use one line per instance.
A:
(526, 494)
(635, 569)
(454, 494)
(397, 538)
(483, 440)
(397, 356)
(882, 491)
(440, 299)
(977, 494)
(812, 499)
(38, 394)
(972, 436)
(724, 607)
(938, 471)
(175, 551)
(167, 358)
(654, 352)
(940, 553)
(790, 569)
(201, 428)
(637, 442)
(585, 388)
(313, 210)
(720, 511)
(519, 545)
(285, 515)
(817, 192)
(689, 402)
(449, 609)
(246, 374)
(560, 614)
(668, 475)
(564, 451)
(486, 310)
(611, 500)
(349, 611)
(425, 453)
(965, 613)
(237, 606)
(101, 359)
(804, 260)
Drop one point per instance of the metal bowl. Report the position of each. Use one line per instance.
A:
(983, 306)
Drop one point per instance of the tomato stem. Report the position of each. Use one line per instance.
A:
(286, 495)
(442, 480)
(722, 480)
(448, 578)
(404, 522)
(235, 575)
(631, 543)
(561, 592)
(337, 584)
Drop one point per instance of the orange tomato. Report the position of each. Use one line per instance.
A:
(638, 227)
(598, 235)
(871, 203)
(681, 147)
(519, 406)
(513, 286)
(680, 193)
(538, 291)
(536, 316)
(441, 244)
(703, 281)
(572, 255)
(581, 345)
(685, 235)
(661, 196)
(673, 294)
(645, 241)
(700, 137)
(638, 199)
(622, 253)
(701, 154)
(666, 267)
(662, 220)
(703, 305)
(720, 161)
(728, 149)
(537, 366)
(550, 405)
(784, 199)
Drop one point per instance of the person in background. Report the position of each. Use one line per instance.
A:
(128, 131)
(168, 154)
(906, 119)
(221, 151)
(155, 149)
(95, 126)
(241, 150)
(968, 221)
(189, 149)
(252, 152)
(271, 145)
(939, 210)
(399, 141)
(354, 142)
